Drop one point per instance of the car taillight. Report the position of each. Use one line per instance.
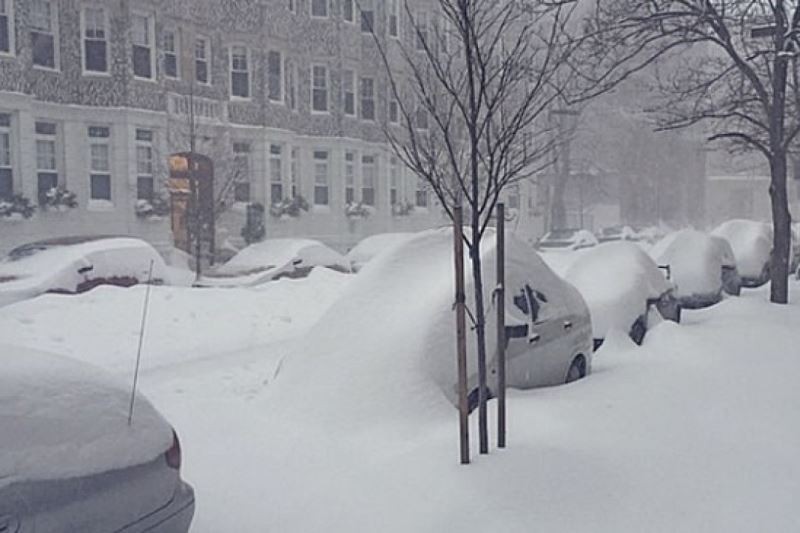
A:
(173, 455)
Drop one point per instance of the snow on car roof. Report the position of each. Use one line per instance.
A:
(616, 279)
(69, 419)
(373, 245)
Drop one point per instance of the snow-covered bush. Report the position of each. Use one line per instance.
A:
(17, 206)
(58, 198)
(357, 210)
(289, 207)
(402, 209)
(156, 207)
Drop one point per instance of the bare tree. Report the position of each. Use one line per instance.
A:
(728, 64)
(472, 86)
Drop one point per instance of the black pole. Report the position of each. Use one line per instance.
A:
(461, 334)
(501, 326)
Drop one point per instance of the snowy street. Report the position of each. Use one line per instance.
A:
(693, 431)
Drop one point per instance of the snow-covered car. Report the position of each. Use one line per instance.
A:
(622, 285)
(274, 259)
(701, 267)
(406, 295)
(77, 264)
(369, 247)
(566, 240)
(751, 242)
(617, 233)
(70, 461)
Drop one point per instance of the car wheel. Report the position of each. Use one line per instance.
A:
(577, 369)
(638, 330)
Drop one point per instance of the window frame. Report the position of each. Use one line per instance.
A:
(105, 142)
(313, 87)
(50, 138)
(145, 175)
(84, 38)
(151, 37)
(367, 103)
(367, 28)
(369, 180)
(8, 13)
(420, 42)
(353, 78)
(8, 132)
(327, 14)
(175, 52)
(350, 180)
(53, 32)
(242, 151)
(206, 59)
(281, 75)
(249, 71)
(395, 180)
(290, 81)
(318, 185)
(393, 10)
(353, 11)
(276, 180)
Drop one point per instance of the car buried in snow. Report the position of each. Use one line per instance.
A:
(273, 259)
(617, 233)
(751, 243)
(702, 267)
(622, 286)
(566, 240)
(70, 461)
(71, 265)
(371, 246)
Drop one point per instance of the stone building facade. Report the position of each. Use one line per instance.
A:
(287, 97)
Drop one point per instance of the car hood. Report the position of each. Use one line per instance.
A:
(70, 419)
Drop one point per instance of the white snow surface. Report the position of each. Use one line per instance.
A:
(62, 418)
(751, 242)
(183, 324)
(56, 268)
(369, 247)
(616, 279)
(695, 260)
(263, 261)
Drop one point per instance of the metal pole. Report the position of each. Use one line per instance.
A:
(141, 341)
(500, 305)
(461, 334)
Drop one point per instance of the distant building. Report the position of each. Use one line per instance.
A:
(287, 98)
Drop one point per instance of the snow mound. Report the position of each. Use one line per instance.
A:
(616, 279)
(69, 419)
(751, 242)
(373, 245)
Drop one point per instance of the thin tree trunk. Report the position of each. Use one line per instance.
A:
(480, 334)
(781, 224)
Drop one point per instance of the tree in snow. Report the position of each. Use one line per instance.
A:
(730, 65)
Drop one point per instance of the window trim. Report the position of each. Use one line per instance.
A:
(206, 59)
(327, 183)
(138, 143)
(361, 20)
(291, 73)
(374, 165)
(9, 131)
(12, 44)
(248, 58)
(354, 78)
(327, 110)
(106, 25)
(397, 14)
(100, 141)
(54, 31)
(354, 12)
(311, 14)
(57, 166)
(151, 33)
(248, 179)
(374, 117)
(281, 181)
(350, 165)
(282, 77)
(176, 33)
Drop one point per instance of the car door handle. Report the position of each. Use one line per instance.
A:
(567, 324)
(534, 338)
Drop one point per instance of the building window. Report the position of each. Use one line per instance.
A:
(394, 108)
(421, 30)
(320, 177)
(291, 84)
(46, 161)
(369, 175)
(348, 10)
(349, 177)
(275, 173)
(6, 166)
(43, 22)
(319, 88)
(99, 163)
(202, 53)
(274, 76)
(319, 8)
(241, 169)
(291, 5)
(367, 16)
(240, 72)
(422, 194)
(349, 90)
(394, 180)
(145, 182)
(171, 54)
(6, 26)
(367, 98)
(295, 172)
(142, 38)
(420, 116)
(393, 22)
(95, 40)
